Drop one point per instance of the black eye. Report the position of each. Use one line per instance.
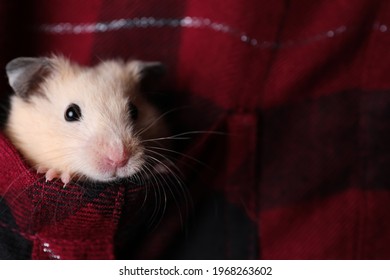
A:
(133, 110)
(73, 113)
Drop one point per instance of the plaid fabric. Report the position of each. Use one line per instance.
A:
(300, 90)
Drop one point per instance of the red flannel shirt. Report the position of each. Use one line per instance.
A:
(300, 93)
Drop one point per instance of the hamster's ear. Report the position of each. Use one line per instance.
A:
(148, 74)
(25, 74)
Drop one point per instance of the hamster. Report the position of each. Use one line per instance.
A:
(87, 123)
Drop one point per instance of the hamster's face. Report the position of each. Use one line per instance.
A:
(89, 123)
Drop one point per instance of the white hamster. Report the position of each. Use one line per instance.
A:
(76, 122)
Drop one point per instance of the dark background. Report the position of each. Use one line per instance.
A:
(300, 92)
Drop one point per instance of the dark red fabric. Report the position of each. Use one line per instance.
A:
(300, 90)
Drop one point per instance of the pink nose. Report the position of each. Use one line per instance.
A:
(117, 158)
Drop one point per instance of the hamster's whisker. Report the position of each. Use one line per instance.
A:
(147, 150)
(142, 175)
(138, 133)
(179, 183)
(180, 154)
(164, 138)
(180, 135)
(202, 132)
(156, 197)
(140, 180)
(158, 189)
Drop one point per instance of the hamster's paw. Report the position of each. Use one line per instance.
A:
(41, 170)
(53, 173)
(65, 178)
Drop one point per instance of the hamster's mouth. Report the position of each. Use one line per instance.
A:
(133, 174)
(134, 179)
(126, 173)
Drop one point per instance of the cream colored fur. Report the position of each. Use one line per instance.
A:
(39, 131)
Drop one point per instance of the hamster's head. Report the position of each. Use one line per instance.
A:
(75, 122)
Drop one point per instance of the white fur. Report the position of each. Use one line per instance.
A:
(48, 142)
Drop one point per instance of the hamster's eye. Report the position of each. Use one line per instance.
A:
(73, 113)
(133, 110)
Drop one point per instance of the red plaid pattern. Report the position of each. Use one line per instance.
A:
(300, 90)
